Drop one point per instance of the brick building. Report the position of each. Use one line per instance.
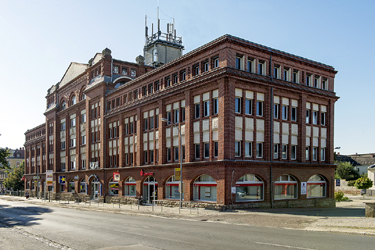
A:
(251, 117)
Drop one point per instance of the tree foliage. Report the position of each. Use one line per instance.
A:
(14, 178)
(345, 170)
(4, 153)
(363, 183)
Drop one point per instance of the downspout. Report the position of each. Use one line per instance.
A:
(271, 136)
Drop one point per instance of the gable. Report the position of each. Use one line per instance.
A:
(74, 70)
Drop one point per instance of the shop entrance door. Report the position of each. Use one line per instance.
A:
(95, 190)
(150, 189)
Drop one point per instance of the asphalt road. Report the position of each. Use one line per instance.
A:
(27, 226)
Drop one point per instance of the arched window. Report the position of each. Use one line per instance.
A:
(72, 186)
(249, 188)
(83, 96)
(113, 187)
(74, 101)
(205, 188)
(286, 187)
(316, 187)
(63, 105)
(172, 189)
(82, 186)
(130, 187)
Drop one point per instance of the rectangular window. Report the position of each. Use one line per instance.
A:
(259, 150)
(238, 105)
(276, 111)
(315, 117)
(250, 65)
(248, 106)
(206, 110)
(195, 70)
(131, 158)
(83, 140)
(307, 116)
(206, 150)
(295, 76)
(323, 154)
(237, 148)
(239, 62)
(284, 112)
(145, 156)
(316, 82)
(197, 110)
(205, 66)
(168, 154)
(284, 152)
(83, 118)
(72, 143)
(183, 75)
(63, 145)
(294, 114)
(307, 153)
(216, 62)
(152, 122)
(145, 123)
(216, 149)
(248, 149)
(286, 74)
(276, 72)
(167, 81)
(315, 153)
(63, 126)
(183, 152)
(169, 117)
(176, 116)
(175, 79)
(131, 128)
(323, 119)
(275, 151)
(308, 80)
(176, 153)
(324, 84)
(216, 106)
(83, 164)
(197, 151)
(262, 68)
(182, 114)
(259, 108)
(157, 86)
(293, 155)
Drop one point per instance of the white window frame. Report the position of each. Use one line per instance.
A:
(284, 151)
(237, 149)
(259, 147)
(248, 149)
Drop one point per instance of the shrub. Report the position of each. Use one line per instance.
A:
(363, 183)
(351, 183)
(339, 196)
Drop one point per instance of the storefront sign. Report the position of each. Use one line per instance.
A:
(177, 174)
(234, 190)
(76, 177)
(116, 176)
(49, 178)
(337, 182)
(303, 187)
(62, 180)
(146, 173)
(36, 177)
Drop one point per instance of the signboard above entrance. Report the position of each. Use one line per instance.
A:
(146, 173)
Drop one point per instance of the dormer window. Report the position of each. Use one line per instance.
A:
(115, 69)
(124, 71)
(133, 73)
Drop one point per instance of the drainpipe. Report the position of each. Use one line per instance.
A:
(271, 136)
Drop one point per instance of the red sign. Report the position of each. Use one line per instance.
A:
(146, 173)
(116, 176)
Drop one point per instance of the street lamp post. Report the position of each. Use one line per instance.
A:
(179, 131)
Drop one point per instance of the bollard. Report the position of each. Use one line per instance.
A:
(190, 207)
(119, 203)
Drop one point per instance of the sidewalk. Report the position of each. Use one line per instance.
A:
(347, 217)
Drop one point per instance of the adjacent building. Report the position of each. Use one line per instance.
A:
(256, 123)
(15, 158)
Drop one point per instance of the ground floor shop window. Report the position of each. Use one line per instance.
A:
(205, 188)
(82, 186)
(72, 186)
(172, 189)
(249, 188)
(130, 187)
(286, 187)
(113, 187)
(316, 187)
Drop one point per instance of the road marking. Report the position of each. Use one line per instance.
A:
(286, 246)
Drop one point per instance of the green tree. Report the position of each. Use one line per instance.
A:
(14, 179)
(4, 153)
(345, 170)
(363, 183)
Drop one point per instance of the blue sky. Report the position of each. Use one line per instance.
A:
(39, 39)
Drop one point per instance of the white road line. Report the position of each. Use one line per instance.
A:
(286, 246)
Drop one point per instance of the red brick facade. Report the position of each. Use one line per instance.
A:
(123, 115)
